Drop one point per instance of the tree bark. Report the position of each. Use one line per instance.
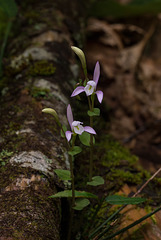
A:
(38, 73)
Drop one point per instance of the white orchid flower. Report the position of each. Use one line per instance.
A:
(76, 126)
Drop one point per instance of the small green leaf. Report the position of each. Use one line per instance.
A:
(63, 174)
(78, 194)
(76, 150)
(85, 138)
(96, 181)
(81, 203)
(117, 200)
(95, 112)
(62, 132)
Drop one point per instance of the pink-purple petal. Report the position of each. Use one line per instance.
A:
(99, 95)
(89, 130)
(96, 74)
(68, 135)
(69, 115)
(77, 91)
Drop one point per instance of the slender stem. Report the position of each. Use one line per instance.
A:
(85, 72)
(72, 172)
(91, 142)
(72, 180)
(70, 224)
(89, 103)
(91, 152)
(73, 190)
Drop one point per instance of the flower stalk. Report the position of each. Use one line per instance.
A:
(91, 107)
(91, 90)
(72, 172)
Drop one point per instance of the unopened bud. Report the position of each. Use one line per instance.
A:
(81, 56)
(52, 112)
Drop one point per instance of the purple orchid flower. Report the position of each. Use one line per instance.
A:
(76, 126)
(91, 86)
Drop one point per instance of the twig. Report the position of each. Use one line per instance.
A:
(145, 184)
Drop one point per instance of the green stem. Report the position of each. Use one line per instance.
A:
(89, 103)
(72, 181)
(72, 171)
(91, 141)
(85, 72)
(73, 190)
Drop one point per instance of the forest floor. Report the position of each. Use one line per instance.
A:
(129, 55)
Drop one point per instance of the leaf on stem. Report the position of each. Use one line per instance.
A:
(95, 112)
(85, 138)
(76, 150)
(78, 194)
(96, 181)
(63, 174)
(119, 200)
(81, 203)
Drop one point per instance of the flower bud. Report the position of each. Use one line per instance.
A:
(52, 112)
(81, 56)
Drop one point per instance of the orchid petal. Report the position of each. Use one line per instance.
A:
(99, 95)
(77, 91)
(89, 130)
(96, 73)
(68, 135)
(69, 115)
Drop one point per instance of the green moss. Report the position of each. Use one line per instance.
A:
(114, 153)
(43, 68)
(4, 156)
(121, 166)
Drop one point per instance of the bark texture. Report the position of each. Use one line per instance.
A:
(39, 71)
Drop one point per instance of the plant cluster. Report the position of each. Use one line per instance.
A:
(80, 199)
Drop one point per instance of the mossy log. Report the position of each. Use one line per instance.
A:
(38, 72)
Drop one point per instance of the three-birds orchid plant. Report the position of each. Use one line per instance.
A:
(77, 128)
(90, 88)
